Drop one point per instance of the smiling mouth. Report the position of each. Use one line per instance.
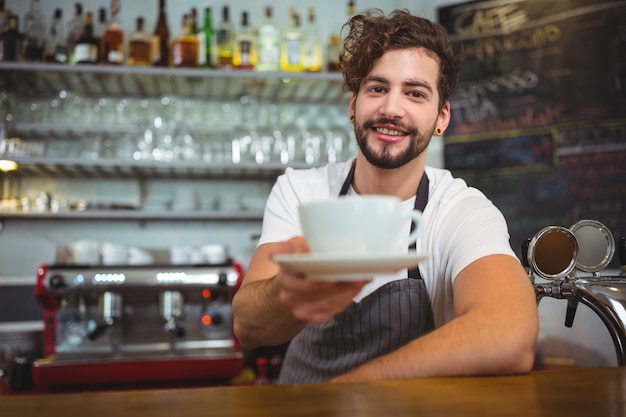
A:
(389, 132)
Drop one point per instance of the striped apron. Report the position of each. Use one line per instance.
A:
(390, 317)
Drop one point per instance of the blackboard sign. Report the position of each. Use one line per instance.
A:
(539, 116)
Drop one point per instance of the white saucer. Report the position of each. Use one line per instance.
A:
(332, 267)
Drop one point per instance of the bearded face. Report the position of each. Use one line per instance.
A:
(390, 155)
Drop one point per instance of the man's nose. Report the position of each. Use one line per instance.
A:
(391, 107)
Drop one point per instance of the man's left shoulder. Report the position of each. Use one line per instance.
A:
(443, 183)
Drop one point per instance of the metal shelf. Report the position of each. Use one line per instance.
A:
(137, 215)
(69, 131)
(149, 169)
(44, 80)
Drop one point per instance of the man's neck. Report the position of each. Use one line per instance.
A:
(401, 182)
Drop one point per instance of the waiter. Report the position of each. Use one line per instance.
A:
(468, 309)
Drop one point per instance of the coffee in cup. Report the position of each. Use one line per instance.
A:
(358, 225)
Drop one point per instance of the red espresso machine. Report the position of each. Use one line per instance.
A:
(121, 325)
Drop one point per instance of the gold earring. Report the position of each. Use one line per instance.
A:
(438, 131)
(352, 118)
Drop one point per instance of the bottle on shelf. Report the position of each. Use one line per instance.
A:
(112, 45)
(268, 44)
(313, 50)
(161, 38)
(244, 57)
(100, 28)
(206, 39)
(193, 20)
(56, 47)
(86, 47)
(225, 34)
(201, 37)
(335, 42)
(351, 8)
(34, 32)
(11, 38)
(75, 28)
(139, 45)
(185, 45)
(292, 46)
(332, 53)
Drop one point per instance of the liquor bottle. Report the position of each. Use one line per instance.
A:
(34, 32)
(351, 8)
(268, 44)
(112, 45)
(206, 39)
(313, 52)
(101, 27)
(161, 38)
(139, 46)
(185, 46)
(292, 46)
(86, 46)
(244, 57)
(56, 48)
(225, 34)
(332, 53)
(75, 28)
(193, 20)
(200, 36)
(11, 38)
(336, 41)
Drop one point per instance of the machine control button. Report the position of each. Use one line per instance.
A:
(57, 281)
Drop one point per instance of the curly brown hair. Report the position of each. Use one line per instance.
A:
(370, 34)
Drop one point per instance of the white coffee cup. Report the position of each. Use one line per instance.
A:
(357, 225)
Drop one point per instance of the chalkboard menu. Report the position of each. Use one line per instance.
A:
(539, 116)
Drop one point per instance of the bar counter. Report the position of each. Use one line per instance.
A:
(582, 392)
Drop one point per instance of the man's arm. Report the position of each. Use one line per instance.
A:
(494, 330)
(273, 305)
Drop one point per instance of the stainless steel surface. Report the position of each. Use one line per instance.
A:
(36, 80)
(554, 253)
(171, 307)
(102, 168)
(110, 306)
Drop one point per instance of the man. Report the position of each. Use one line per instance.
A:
(468, 309)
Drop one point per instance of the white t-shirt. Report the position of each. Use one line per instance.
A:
(460, 225)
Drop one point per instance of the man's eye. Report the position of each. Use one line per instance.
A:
(416, 94)
(377, 90)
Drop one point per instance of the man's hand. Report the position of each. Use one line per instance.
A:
(312, 301)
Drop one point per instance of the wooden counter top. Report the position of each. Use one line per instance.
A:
(587, 392)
